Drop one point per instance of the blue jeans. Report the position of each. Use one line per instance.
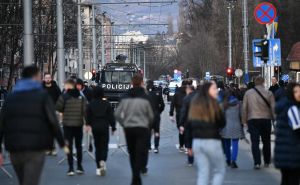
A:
(210, 159)
(231, 148)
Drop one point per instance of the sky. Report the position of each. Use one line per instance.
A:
(141, 14)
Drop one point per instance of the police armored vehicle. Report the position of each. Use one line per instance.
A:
(116, 79)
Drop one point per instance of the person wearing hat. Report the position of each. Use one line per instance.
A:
(85, 90)
(233, 131)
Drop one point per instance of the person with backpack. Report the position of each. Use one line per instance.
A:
(72, 105)
(99, 117)
(287, 142)
(233, 131)
(258, 113)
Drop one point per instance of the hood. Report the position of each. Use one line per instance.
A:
(136, 92)
(74, 93)
(27, 85)
(232, 101)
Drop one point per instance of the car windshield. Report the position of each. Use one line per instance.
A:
(118, 76)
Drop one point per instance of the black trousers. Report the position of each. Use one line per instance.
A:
(28, 166)
(156, 129)
(181, 136)
(137, 141)
(101, 140)
(260, 128)
(71, 134)
(290, 176)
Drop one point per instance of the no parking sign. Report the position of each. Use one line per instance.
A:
(265, 13)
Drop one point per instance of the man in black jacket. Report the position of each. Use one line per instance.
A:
(51, 87)
(176, 104)
(53, 90)
(159, 106)
(28, 124)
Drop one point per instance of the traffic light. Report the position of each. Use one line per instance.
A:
(263, 52)
(94, 75)
(229, 72)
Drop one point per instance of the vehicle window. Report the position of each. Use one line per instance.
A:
(125, 77)
(118, 77)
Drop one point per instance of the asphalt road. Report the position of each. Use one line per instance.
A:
(166, 168)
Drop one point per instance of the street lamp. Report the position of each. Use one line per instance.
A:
(230, 7)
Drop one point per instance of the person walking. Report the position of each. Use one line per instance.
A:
(51, 87)
(233, 131)
(85, 90)
(72, 105)
(135, 113)
(287, 142)
(258, 113)
(205, 120)
(99, 117)
(29, 132)
(159, 106)
(275, 86)
(176, 105)
(53, 90)
(191, 92)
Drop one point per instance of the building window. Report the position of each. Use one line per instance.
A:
(83, 66)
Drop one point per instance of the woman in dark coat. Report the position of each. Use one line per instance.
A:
(100, 116)
(287, 144)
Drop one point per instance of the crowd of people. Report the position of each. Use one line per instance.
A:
(210, 118)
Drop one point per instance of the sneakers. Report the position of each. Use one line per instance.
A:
(234, 165)
(181, 149)
(98, 172)
(70, 172)
(144, 171)
(156, 150)
(267, 165)
(257, 167)
(102, 168)
(80, 170)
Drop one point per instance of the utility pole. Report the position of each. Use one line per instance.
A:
(144, 64)
(246, 39)
(112, 39)
(230, 7)
(28, 36)
(60, 43)
(102, 41)
(94, 39)
(79, 40)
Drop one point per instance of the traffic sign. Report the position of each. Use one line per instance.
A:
(238, 73)
(274, 52)
(285, 78)
(207, 76)
(265, 13)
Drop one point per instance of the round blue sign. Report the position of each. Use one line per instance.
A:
(265, 13)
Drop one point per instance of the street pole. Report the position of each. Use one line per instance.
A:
(79, 40)
(230, 34)
(112, 43)
(28, 36)
(144, 64)
(94, 39)
(246, 40)
(102, 41)
(60, 43)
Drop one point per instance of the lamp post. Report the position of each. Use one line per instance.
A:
(230, 8)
